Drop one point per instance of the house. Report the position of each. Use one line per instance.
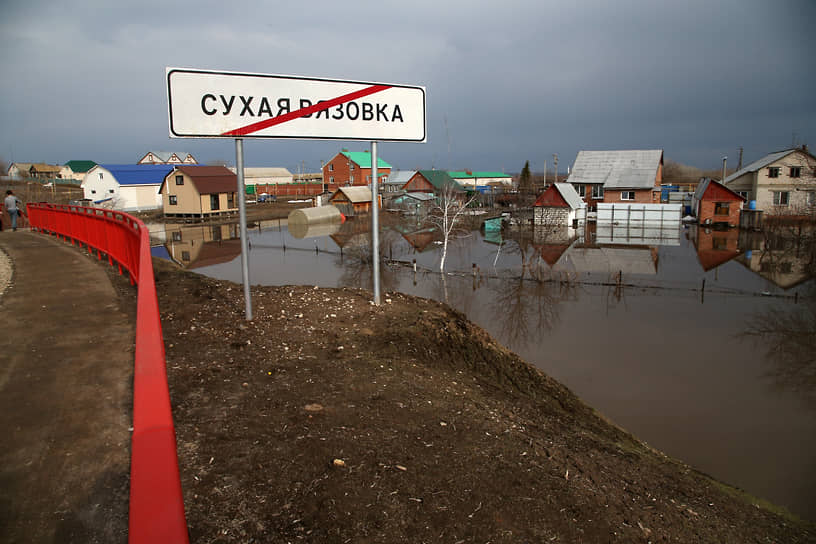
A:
(558, 205)
(199, 191)
(353, 201)
(350, 168)
(781, 183)
(431, 181)
(618, 176)
(713, 202)
(167, 157)
(396, 180)
(77, 169)
(473, 180)
(414, 203)
(19, 170)
(40, 170)
(126, 187)
(266, 176)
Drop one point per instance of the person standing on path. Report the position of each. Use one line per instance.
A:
(12, 205)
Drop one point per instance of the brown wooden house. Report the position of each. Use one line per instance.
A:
(199, 191)
(353, 201)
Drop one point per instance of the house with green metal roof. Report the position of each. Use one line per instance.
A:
(472, 180)
(349, 168)
(78, 169)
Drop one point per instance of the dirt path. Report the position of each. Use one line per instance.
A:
(66, 361)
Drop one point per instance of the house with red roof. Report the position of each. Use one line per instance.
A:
(557, 206)
(713, 202)
(199, 191)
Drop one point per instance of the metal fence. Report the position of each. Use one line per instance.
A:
(156, 502)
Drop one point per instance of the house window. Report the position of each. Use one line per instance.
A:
(100, 175)
(331, 168)
(177, 236)
(331, 179)
(743, 194)
(173, 200)
(351, 179)
(179, 180)
(581, 189)
(351, 167)
(597, 191)
(230, 200)
(93, 191)
(781, 198)
(773, 172)
(110, 191)
(185, 255)
(811, 198)
(627, 195)
(214, 202)
(721, 208)
(795, 171)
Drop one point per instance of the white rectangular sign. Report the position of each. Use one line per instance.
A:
(209, 104)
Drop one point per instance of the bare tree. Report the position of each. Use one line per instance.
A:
(451, 202)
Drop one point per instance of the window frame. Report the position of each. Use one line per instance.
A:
(773, 171)
(172, 200)
(597, 191)
(630, 194)
(778, 198)
(179, 180)
(720, 206)
(795, 172)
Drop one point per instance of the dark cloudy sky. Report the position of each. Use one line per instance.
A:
(506, 81)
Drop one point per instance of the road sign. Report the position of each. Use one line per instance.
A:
(209, 104)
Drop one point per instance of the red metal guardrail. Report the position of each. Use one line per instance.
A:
(156, 502)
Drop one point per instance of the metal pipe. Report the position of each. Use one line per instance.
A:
(375, 227)
(239, 169)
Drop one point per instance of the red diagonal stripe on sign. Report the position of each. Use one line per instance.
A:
(320, 106)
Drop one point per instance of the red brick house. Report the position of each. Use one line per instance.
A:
(629, 176)
(349, 168)
(713, 202)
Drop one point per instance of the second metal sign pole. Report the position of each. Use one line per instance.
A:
(239, 170)
(375, 227)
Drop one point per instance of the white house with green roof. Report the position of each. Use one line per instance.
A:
(349, 168)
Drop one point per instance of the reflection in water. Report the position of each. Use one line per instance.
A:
(202, 245)
(677, 373)
(527, 310)
(788, 337)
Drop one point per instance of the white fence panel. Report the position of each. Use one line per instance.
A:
(652, 215)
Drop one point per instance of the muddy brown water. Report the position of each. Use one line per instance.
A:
(704, 347)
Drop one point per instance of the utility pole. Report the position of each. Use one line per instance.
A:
(555, 160)
(545, 173)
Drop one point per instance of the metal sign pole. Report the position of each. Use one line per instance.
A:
(375, 228)
(239, 170)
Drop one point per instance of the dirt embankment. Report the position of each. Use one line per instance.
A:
(327, 419)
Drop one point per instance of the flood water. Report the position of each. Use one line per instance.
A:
(701, 343)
